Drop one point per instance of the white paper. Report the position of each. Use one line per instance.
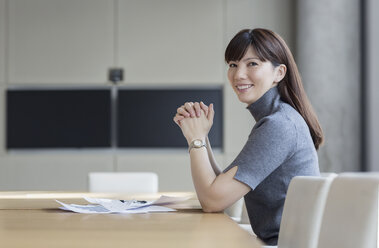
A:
(106, 206)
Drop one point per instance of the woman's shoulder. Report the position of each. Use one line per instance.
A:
(283, 117)
(288, 114)
(285, 120)
(278, 126)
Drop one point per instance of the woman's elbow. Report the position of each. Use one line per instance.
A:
(211, 208)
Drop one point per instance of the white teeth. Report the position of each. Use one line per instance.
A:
(244, 87)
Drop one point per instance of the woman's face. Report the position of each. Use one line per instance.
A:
(251, 78)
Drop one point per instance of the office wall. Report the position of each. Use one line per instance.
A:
(328, 42)
(152, 34)
(218, 22)
(2, 75)
(60, 42)
(372, 90)
(2, 42)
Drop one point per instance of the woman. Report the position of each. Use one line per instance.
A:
(281, 145)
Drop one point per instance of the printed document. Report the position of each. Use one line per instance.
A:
(107, 206)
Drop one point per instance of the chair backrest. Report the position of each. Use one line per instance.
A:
(351, 212)
(123, 182)
(244, 215)
(302, 212)
(328, 174)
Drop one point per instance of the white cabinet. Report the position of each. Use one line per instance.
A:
(171, 41)
(54, 41)
(2, 42)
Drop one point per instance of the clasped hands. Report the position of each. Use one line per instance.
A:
(195, 120)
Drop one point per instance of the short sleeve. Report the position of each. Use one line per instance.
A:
(271, 142)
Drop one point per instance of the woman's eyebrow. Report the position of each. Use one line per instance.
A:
(250, 58)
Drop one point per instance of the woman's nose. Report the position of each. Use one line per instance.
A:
(240, 73)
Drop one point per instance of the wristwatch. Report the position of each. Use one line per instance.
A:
(197, 143)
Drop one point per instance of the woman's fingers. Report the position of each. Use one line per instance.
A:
(211, 112)
(178, 118)
(189, 108)
(204, 108)
(197, 108)
(182, 111)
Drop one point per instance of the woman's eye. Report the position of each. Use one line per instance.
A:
(252, 64)
(232, 65)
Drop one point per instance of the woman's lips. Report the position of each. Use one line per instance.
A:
(244, 87)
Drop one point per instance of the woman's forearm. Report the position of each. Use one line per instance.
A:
(212, 159)
(203, 175)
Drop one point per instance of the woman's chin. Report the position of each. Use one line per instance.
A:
(245, 100)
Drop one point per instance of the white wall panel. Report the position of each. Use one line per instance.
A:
(173, 168)
(238, 123)
(2, 121)
(2, 41)
(53, 41)
(278, 16)
(171, 41)
(36, 171)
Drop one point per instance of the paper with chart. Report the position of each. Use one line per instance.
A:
(107, 206)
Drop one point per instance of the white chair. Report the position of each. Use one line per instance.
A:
(123, 182)
(351, 212)
(235, 210)
(302, 212)
(244, 222)
(328, 174)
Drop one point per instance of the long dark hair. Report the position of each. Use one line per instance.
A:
(269, 46)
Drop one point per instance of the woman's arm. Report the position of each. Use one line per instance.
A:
(215, 192)
(212, 159)
(191, 110)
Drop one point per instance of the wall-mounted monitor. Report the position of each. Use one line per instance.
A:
(145, 116)
(75, 118)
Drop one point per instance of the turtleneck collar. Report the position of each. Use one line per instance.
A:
(265, 105)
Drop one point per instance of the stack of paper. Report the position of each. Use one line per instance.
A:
(107, 206)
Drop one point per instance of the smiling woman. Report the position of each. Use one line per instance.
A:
(251, 78)
(281, 145)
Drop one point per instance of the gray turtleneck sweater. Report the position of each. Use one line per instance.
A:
(279, 147)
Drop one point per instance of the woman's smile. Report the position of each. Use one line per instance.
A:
(244, 87)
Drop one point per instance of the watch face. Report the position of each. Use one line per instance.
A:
(197, 143)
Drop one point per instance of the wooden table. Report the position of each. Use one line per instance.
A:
(50, 227)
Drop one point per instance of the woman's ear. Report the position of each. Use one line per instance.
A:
(280, 72)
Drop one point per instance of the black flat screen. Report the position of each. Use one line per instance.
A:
(58, 118)
(145, 116)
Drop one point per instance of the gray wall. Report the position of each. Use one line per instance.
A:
(328, 50)
(372, 101)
